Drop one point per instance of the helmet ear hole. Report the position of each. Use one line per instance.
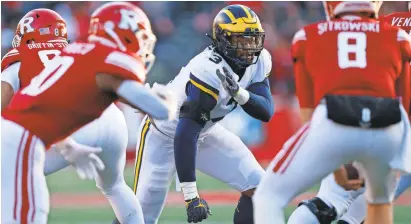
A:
(128, 41)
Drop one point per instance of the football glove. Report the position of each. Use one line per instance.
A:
(82, 157)
(228, 81)
(197, 210)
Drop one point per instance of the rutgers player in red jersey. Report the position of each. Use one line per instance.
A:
(74, 89)
(40, 35)
(349, 73)
(332, 200)
(400, 19)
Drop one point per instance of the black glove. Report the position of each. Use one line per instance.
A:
(228, 81)
(197, 210)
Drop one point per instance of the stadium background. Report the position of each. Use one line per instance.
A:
(180, 28)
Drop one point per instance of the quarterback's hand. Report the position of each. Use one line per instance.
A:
(228, 81)
(197, 210)
(168, 98)
(347, 177)
(82, 157)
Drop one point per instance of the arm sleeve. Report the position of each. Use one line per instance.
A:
(194, 114)
(143, 99)
(11, 76)
(260, 105)
(303, 82)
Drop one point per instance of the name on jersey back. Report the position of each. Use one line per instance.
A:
(348, 26)
(401, 21)
(46, 45)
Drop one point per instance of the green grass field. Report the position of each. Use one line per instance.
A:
(66, 182)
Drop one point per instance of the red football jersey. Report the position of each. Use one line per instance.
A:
(64, 96)
(399, 19)
(32, 57)
(351, 57)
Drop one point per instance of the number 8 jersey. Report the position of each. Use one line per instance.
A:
(30, 60)
(64, 96)
(351, 56)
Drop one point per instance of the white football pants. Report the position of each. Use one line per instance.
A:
(221, 154)
(24, 193)
(319, 148)
(110, 133)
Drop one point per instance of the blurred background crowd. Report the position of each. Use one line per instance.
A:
(180, 28)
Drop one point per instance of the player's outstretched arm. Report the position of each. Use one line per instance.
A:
(159, 104)
(10, 83)
(194, 114)
(256, 100)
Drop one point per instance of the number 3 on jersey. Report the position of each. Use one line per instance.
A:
(352, 44)
(54, 70)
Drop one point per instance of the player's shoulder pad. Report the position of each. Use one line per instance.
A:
(297, 43)
(127, 62)
(300, 35)
(264, 67)
(265, 58)
(202, 70)
(11, 57)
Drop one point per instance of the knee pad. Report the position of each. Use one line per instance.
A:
(243, 213)
(320, 209)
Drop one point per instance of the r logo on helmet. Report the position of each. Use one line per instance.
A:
(128, 20)
(26, 23)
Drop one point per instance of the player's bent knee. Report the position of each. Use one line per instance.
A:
(108, 190)
(321, 210)
(266, 192)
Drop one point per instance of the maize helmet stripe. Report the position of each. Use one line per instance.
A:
(230, 15)
(242, 27)
(223, 18)
(247, 12)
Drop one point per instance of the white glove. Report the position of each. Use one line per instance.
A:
(168, 98)
(82, 157)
